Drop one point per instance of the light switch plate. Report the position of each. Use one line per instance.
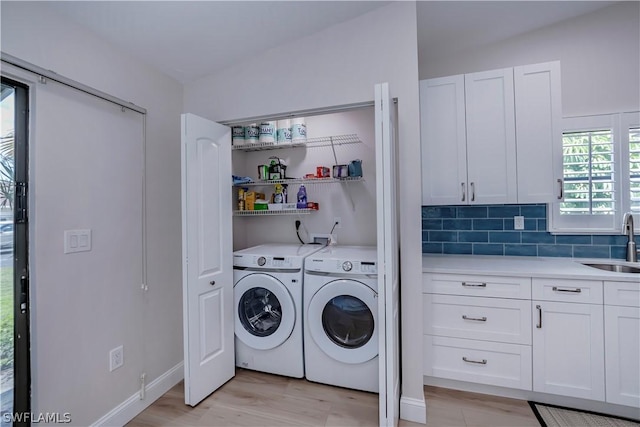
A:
(77, 241)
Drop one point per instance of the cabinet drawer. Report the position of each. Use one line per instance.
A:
(567, 290)
(505, 365)
(487, 319)
(622, 293)
(474, 285)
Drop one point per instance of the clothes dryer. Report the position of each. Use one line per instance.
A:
(268, 307)
(341, 317)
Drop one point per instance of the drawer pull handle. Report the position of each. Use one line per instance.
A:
(479, 362)
(575, 291)
(474, 285)
(477, 319)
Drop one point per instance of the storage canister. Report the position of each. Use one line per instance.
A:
(237, 135)
(298, 130)
(251, 134)
(284, 131)
(267, 132)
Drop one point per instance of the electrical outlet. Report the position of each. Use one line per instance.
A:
(116, 358)
(518, 223)
(337, 219)
(323, 238)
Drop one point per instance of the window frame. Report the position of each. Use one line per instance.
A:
(619, 123)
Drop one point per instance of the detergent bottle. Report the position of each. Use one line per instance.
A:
(302, 197)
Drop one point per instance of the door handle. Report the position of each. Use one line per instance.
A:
(463, 192)
(539, 325)
(473, 192)
(24, 284)
(561, 194)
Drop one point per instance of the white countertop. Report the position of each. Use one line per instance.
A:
(568, 268)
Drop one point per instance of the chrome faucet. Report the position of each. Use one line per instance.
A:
(627, 228)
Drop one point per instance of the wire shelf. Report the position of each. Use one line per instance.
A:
(324, 141)
(279, 212)
(300, 181)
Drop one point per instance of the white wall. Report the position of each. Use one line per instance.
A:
(599, 54)
(335, 67)
(150, 324)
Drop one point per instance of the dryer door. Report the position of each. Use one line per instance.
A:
(342, 317)
(265, 311)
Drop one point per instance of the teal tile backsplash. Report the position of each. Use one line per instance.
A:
(488, 230)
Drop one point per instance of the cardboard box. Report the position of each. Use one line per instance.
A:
(250, 198)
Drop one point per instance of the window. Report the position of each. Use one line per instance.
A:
(634, 168)
(601, 171)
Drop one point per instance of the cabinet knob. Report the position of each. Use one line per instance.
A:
(213, 282)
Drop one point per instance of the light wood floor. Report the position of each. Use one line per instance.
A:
(257, 399)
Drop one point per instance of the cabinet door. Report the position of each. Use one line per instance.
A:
(538, 132)
(622, 336)
(443, 140)
(491, 137)
(568, 349)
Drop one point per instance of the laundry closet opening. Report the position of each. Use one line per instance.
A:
(320, 164)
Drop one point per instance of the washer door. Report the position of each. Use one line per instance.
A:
(342, 319)
(265, 314)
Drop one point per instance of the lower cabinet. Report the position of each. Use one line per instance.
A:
(478, 329)
(622, 343)
(577, 338)
(568, 349)
(499, 364)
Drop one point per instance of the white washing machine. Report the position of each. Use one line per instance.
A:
(341, 317)
(268, 307)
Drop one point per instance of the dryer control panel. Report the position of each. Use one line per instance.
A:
(340, 266)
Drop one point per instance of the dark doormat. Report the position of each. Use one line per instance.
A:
(558, 416)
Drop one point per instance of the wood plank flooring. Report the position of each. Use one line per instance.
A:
(257, 399)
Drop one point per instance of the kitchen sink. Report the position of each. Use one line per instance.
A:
(618, 268)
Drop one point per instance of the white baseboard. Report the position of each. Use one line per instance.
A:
(414, 410)
(127, 410)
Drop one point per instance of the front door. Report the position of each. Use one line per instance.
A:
(207, 272)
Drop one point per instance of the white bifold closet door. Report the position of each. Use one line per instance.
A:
(86, 173)
(388, 255)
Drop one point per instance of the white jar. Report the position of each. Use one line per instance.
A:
(237, 135)
(267, 132)
(284, 131)
(251, 134)
(298, 130)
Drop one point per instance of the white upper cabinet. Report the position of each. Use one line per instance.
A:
(492, 137)
(444, 143)
(538, 132)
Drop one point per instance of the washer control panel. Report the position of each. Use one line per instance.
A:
(266, 261)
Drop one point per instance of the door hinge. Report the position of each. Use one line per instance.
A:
(21, 195)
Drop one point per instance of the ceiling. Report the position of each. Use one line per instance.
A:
(446, 27)
(191, 39)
